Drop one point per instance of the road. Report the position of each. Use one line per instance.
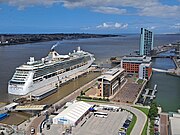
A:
(141, 119)
(35, 123)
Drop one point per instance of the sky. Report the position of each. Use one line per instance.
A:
(89, 16)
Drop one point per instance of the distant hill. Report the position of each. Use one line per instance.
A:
(11, 39)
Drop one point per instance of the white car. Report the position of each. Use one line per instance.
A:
(32, 130)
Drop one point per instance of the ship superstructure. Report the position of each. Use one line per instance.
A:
(49, 72)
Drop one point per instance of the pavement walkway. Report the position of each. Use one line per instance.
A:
(163, 124)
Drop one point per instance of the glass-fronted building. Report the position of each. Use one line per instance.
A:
(110, 82)
(146, 42)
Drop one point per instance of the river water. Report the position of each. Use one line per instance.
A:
(102, 48)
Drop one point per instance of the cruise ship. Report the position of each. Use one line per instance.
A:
(49, 72)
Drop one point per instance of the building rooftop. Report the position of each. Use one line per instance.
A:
(111, 74)
(73, 112)
(146, 64)
(175, 123)
(136, 58)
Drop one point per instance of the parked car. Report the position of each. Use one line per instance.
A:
(126, 123)
(32, 130)
(122, 131)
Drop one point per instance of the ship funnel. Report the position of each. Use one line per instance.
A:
(31, 59)
(43, 59)
(78, 49)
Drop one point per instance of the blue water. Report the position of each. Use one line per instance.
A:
(168, 95)
(163, 63)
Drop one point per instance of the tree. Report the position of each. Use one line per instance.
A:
(82, 93)
(153, 111)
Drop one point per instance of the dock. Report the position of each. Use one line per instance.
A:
(148, 95)
(150, 92)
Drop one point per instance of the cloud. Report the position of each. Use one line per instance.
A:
(86, 28)
(106, 25)
(113, 3)
(22, 4)
(151, 28)
(176, 26)
(109, 10)
(161, 11)
(138, 7)
(112, 26)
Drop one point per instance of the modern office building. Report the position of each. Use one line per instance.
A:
(145, 71)
(146, 42)
(2, 39)
(110, 82)
(138, 64)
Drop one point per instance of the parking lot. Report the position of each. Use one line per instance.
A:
(98, 126)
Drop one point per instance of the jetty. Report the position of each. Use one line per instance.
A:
(147, 95)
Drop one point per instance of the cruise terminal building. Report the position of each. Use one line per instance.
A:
(72, 115)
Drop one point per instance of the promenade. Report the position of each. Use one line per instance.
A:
(164, 124)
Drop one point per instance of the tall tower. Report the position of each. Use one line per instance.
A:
(2, 39)
(146, 42)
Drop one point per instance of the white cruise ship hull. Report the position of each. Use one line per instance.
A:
(45, 84)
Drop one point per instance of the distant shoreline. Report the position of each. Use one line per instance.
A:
(15, 39)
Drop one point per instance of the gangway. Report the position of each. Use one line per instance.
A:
(30, 107)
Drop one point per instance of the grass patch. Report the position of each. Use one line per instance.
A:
(145, 111)
(91, 100)
(140, 81)
(145, 129)
(133, 122)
